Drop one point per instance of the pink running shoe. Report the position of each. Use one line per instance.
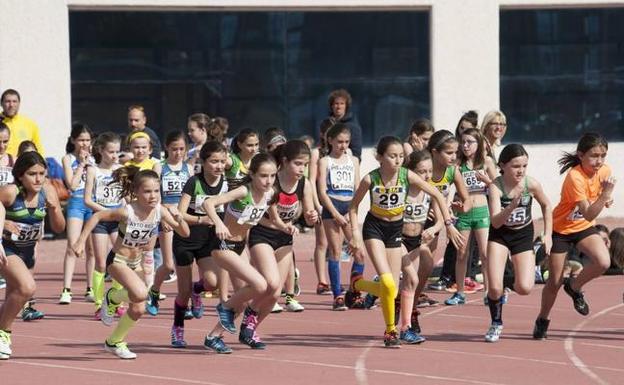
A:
(120, 311)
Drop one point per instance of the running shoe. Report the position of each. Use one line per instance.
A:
(578, 299)
(439, 285)
(89, 295)
(120, 349)
(471, 284)
(188, 314)
(226, 318)
(121, 310)
(391, 339)
(29, 313)
(152, 305)
(248, 335)
(197, 306)
(66, 297)
(108, 310)
(172, 277)
(216, 344)
(415, 325)
(339, 304)
(177, 337)
(456, 299)
(277, 308)
(494, 332)
(5, 345)
(98, 316)
(322, 288)
(505, 298)
(410, 337)
(293, 305)
(486, 300)
(370, 301)
(297, 287)
(2, 283)
(424, 301)
(540, 330)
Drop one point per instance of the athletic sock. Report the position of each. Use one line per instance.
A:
(118, 296)
(371, 287)
(116, 285)
(121, 331)
(357, 267)
(387, 296)
(334, 276)
(198, 287)
(98, 287)
(178, 314)
(496, 310)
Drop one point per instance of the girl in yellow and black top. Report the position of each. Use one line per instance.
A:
(138, 224)
(586, 191)
(25, 204)
(388, 186)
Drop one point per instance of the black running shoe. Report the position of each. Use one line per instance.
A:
(578, 299)
(440, 285)
(541, 328)
(391, 339)
(351, 297)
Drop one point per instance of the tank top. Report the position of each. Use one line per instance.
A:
(388, 201)
(521, 215)
(415, 211)
(236, 173)
(145, 164)
(79, 191)
(246, 211)
(6, 172)
(443, 185)
(106, 193)
(202, 191)
(289, 204)
(340, 177)
(197, 167)
(172, 182)
(134, 232)
(473, 184)
(28, 220)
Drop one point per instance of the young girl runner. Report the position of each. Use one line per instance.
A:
(138, 224)
(175, 172)
(270, 242)
(338, 178)
(101, 194)
(244, 147)
(75, 164)
(418, 137)
(511, 231)
(381, 233)
(25, 203)
(246, 205)
(197, 132)
(587, 189)
(6, 160)
(199, 245)
(477, 171)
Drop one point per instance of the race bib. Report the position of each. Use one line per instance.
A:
(342, 177)
(138, 234)
(108, 195)
(389, 198)
(173, 184)
(416, 212)
(6, 175)
(251, 215)
(28, 233)
(473, 184)
(576, 215)
(517, 217)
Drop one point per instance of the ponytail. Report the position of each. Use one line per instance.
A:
(586, 143)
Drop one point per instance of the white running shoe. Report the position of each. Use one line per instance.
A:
(5, 345)
(172, 277)
(493, 333)
(108, 310)
(120, 349)
(294, 306)
(277, 308)
(66, 297)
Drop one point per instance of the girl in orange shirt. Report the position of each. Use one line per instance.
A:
(586, 190)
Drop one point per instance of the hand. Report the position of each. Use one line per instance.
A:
(311, 216)
(222, 232)
(607, 187)
(355, 245)
(165, 227)
(453, 234)
(11, 227)
(290, 229)
(515, 202)
(428, 235)
(483, 177)
(417, 144)
(457, 206)
(341, 221)
(78, 248)
(547, 244)
(83, 157)
(609, 203)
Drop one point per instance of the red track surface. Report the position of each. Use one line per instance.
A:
(319, 346)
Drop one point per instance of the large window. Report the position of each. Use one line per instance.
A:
(258, 69)
(562, 73)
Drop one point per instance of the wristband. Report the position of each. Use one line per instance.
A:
(448, 222)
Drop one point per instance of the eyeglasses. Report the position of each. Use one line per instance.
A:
(468, 142)
(498, 124)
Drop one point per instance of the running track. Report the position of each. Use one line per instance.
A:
(319, 346)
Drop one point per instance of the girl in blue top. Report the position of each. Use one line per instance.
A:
(75, 164)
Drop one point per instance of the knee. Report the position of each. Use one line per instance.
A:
(604, 263)
(26, 289)
(136, 310)
(273, 286)
(409, 283)
(260, 286)
(495, 291)
(523, 288)
(138, 296)
(388, 285)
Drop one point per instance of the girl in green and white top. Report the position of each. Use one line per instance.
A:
(244, 146)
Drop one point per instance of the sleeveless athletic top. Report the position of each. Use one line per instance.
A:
(136, 233)
(246, 211)
(289, 204)
(28, 220)
(197, 167)
(340, 178)
(443, 185)
(6, 172)
(416, 212)
(236, 173)
(105, 192)
(388, 201)
(521, 215)
(199, 191)
(473, 184)
(172, 182)
(79, 191)
(145, 164)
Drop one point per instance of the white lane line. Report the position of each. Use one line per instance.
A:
(603, 345)
(569, 345)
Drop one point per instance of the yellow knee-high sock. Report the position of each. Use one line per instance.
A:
(98, 287)
(116, 285)
(370, 287)
(122, 329)
(118, 295)
(387, 294)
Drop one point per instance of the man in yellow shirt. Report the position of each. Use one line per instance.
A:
(21, 127)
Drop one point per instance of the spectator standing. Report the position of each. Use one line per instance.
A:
(21, 127)
(340, 103)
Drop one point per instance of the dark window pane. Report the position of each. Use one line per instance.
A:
(562, 73)
(258, 69)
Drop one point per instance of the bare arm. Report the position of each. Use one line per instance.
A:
(462, 191)
(116, 215)
(322, 191)
(591, 211)
(309, 211)
(499, 216)
(72, 177)
(536, 189)
(53, 208)
(360, 193)
(89, 193)
(210, 205)
(157, 168)
(172, 217)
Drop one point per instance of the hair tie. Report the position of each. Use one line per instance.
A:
(277, 139)
(138, 134)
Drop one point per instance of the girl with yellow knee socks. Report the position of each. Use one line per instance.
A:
(381, 233)
(138, 223)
